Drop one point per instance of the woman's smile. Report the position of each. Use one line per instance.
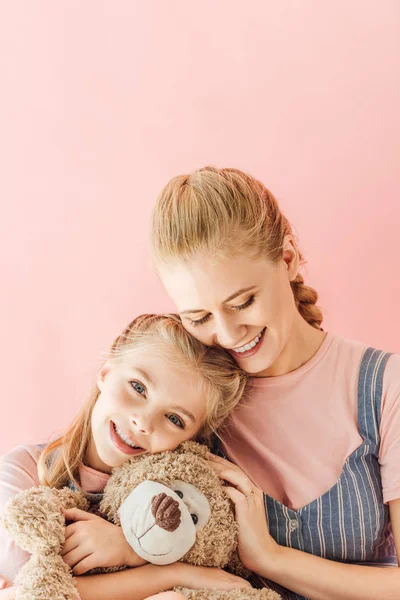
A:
(250, 348)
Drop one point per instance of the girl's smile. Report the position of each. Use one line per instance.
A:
(124, 442)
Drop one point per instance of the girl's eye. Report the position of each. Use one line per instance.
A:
(175, 420)
(248, 303)
(138, 387)
(200, 321)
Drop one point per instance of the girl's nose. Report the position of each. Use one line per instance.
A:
(142, 424)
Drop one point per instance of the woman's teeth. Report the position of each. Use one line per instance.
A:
(250, 345)
(125, 438)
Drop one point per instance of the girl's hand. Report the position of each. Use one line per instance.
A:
(92, 542)
(256, 547)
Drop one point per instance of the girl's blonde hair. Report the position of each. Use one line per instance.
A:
(225, 211)
(222, 381)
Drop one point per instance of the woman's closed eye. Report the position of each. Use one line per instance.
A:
(204, 319)
(138, 387)
(246, 304)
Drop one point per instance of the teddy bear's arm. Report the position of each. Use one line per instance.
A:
(34, 519)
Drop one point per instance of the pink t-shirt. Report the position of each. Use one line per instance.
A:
(18, 471)
(294, 433)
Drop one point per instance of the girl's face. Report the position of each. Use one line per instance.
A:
(147, 404)
(243, 304)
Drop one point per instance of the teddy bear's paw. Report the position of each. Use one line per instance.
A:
(244, 594)
(34, 519)
(42, 578)
(72, 498)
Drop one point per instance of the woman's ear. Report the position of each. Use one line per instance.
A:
(290, 256)
(105, 369)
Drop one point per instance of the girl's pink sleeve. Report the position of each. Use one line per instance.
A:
(18, 471)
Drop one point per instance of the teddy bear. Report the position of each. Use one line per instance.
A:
(171, 506)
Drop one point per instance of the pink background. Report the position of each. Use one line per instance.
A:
(102, 102)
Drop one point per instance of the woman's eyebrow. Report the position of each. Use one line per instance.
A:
(232, 297)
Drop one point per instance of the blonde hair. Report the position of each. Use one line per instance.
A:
(222, 381)
(225, 211)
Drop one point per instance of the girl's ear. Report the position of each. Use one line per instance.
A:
(105, 369)
(290, 256)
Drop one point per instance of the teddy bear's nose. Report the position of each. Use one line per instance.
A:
(166, 512)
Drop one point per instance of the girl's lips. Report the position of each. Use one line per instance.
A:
(252, 351)
(120, 445)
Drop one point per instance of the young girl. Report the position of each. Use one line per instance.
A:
(317, 443)
(158, 387)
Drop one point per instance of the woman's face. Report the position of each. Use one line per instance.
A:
(147, 404)
(243, 304)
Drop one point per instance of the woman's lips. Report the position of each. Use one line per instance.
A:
(120, 445)
(252, 351)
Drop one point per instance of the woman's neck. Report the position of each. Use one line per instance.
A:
(303, 343)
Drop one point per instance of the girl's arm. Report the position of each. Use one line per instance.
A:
(311, 576)
(18, 471)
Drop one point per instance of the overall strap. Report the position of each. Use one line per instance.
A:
(370, 384)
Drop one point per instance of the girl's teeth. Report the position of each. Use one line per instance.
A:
(125, 438)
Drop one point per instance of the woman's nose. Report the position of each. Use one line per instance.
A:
(228, 334)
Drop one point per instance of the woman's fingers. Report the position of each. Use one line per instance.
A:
(238, 479)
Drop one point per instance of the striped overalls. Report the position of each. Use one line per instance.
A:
(348, 523)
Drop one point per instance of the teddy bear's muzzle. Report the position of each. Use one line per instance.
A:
(159, 523)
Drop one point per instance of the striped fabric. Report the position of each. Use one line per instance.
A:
(349, 523)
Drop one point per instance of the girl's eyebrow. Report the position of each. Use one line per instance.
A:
(232, 297)
(144, 375)
(185, 412)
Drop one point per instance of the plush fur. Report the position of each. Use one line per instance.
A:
(34, 519)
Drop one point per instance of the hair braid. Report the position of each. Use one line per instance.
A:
(306, 298)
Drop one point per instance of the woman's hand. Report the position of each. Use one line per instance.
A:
(197, 578)
(256, 547)
(92, 542)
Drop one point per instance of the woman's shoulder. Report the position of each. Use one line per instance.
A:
(391, 378)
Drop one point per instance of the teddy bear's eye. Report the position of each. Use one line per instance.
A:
(195, 519)
(179, 493)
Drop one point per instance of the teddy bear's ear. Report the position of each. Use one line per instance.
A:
(193, 448)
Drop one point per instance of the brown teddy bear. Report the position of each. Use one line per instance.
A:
(171, 506)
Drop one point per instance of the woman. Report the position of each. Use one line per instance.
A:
(317, 444)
